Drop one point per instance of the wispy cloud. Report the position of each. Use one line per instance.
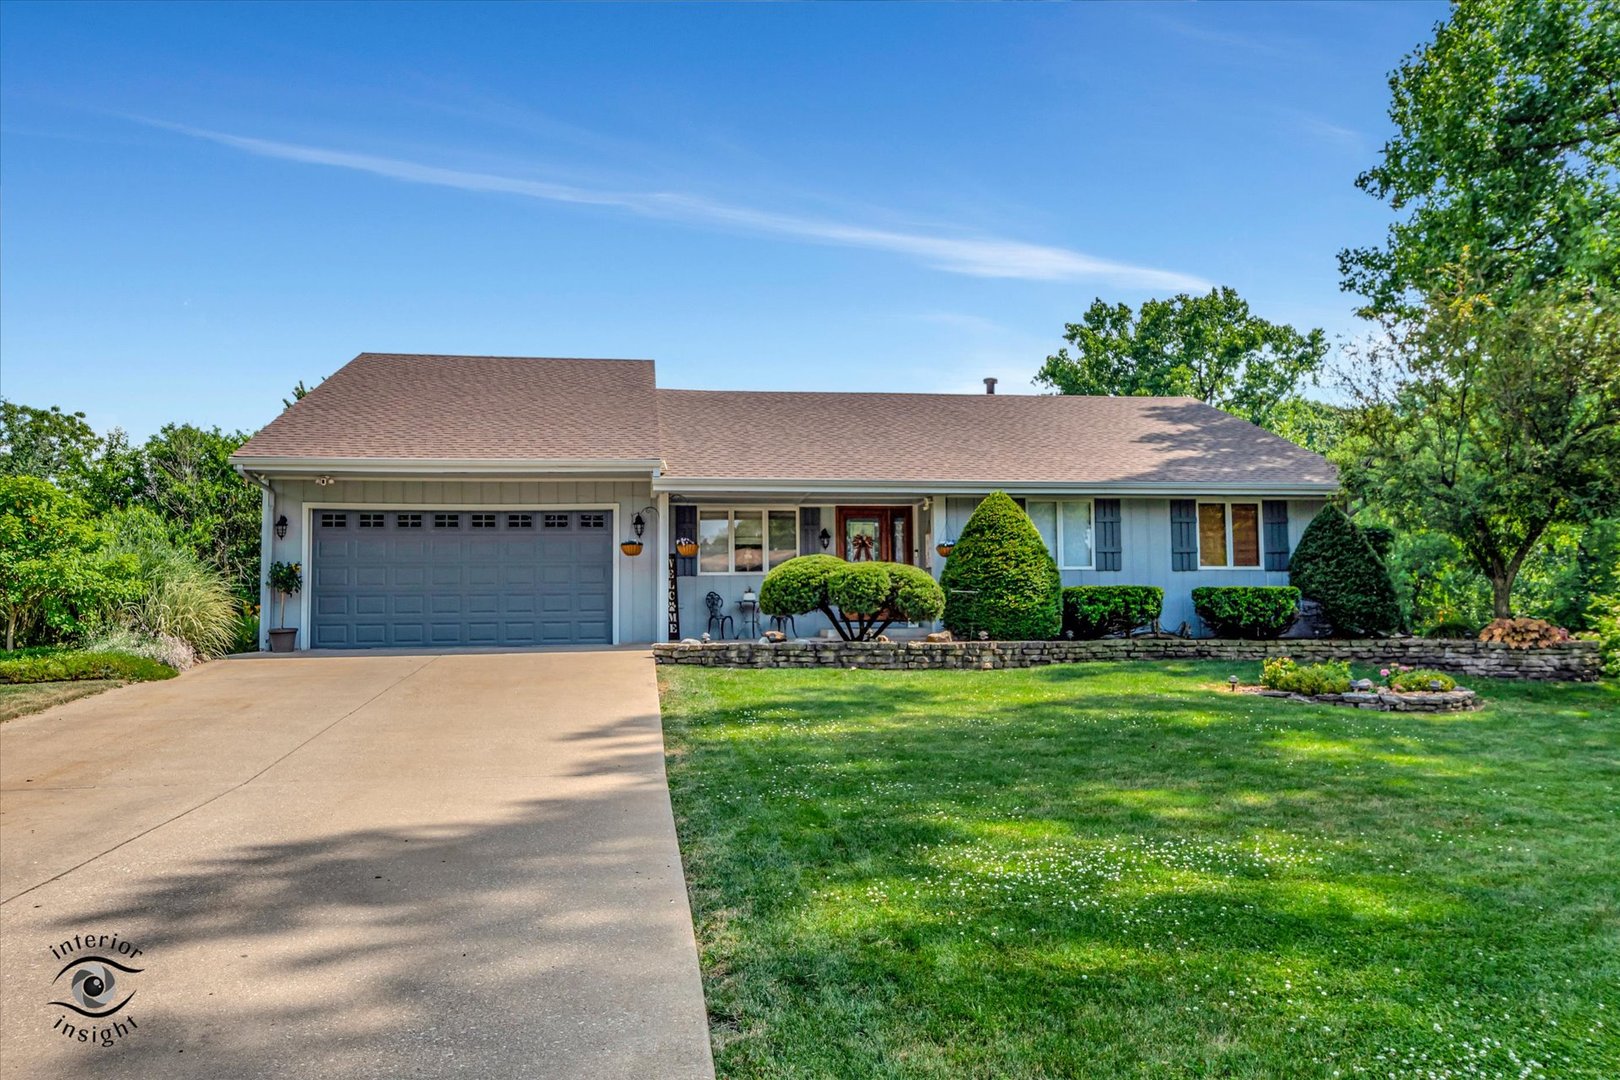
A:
(978, 256)
(1328, 132)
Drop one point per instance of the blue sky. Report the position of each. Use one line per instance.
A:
(204, 204)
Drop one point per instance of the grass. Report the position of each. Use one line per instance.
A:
(22, 699)
(1121, 870)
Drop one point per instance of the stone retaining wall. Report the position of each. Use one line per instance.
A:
(1458, 700)
(1576, 660)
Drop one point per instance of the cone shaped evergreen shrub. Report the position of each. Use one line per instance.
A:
(1000, 578)
(1336, 566)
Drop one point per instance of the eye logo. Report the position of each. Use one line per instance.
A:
(94, 987)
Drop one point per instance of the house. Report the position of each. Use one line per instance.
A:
(480, 500)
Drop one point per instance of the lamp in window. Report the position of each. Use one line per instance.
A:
(281, 527)
(825, 538)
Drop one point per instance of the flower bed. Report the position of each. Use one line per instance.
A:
(1385, 699)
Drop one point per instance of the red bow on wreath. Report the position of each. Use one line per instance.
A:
(860, 548)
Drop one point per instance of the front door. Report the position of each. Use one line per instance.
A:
(874, 533)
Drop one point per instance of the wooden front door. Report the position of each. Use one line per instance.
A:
(874, 533)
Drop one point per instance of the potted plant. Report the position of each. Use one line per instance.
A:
(945, 547)
(285, 579)
(686, 547)
(631, 548)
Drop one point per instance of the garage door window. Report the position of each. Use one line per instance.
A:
(371, 521)
(447, 521)
(520, 521)
(483, 521)
(408, 521)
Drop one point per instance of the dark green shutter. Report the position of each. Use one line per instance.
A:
(1108, 540)
(686, 524)
(1183, 534)
(809, 530)
(1274, 513)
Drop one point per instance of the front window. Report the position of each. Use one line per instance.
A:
(746, 541)
(1065, 525)
(1229, 534)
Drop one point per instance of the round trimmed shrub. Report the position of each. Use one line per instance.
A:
(1336, 566)
(1247, 611)
(860, 599)
(1095, 611)
(1000, 578)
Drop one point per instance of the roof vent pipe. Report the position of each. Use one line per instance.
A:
(990, 385)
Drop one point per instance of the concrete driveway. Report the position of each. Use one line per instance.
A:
(351, 866)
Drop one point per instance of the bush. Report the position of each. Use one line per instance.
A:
(78, 664)
(1419, 680)
(860, 599)
(1524, 633)
(1094, 611)
(179, 595)
(1605, 616)
(1336, 566)
(1000, 578)
(171, 651)
(1247, 611)
(1281, 673)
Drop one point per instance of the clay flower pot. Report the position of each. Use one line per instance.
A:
(283, 639)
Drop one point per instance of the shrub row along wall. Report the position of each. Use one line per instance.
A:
(1575, 660)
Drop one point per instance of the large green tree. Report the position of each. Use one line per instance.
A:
(51, 575)
(1210, 347)
(190, 483)
(1493, 425)
(1505, 157)
(47, 443)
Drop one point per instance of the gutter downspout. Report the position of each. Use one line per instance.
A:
(267, 515)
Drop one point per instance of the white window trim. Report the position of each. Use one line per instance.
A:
(1091, 530)
(1227, 504)
(764, 513)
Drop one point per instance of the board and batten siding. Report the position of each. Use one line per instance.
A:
(1145, 554)
(640, 581)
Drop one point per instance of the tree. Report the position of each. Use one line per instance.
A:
(1508, 145)
(209, 507)
(50, 576)
(1000, 578)
(1209, 347)
(1335, 565)
(1493, 425)
(47, 443)
(859, 599)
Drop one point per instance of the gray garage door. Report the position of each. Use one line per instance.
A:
(458, 577)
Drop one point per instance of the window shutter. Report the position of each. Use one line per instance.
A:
(686, 524)
(1183, 534)
(809, 530)
(1108, 539)
(1274, 514)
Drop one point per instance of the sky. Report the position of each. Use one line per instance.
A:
(204, 204)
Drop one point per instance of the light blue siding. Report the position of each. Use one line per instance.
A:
(1145, 555)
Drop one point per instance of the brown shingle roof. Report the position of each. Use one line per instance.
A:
(504, 409)
(979, 438)
(495, 408)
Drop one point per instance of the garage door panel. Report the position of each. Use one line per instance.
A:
(441, 578)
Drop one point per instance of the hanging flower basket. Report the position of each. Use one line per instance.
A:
(945, 547)
(631, 547)
(686, 547)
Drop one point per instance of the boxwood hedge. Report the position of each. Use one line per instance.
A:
(1094, 611)
(1247, 611)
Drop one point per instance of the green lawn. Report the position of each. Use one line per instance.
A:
(25, 698)
(1122, 870)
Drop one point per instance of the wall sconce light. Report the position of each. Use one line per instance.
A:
(639, 524)
(325, 481)
(281, 527)
(825, 538)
